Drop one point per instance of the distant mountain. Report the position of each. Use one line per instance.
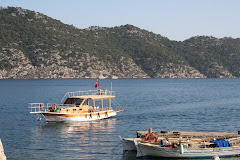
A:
(214, 57)
(33, 45)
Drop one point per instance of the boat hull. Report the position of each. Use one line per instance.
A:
(152, 150)
(77, 117)
(128, 144)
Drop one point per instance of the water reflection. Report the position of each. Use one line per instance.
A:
(87, 140)
(162, 104)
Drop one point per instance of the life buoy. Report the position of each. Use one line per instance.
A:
(54, 106)
(151, 134)
(41, 105)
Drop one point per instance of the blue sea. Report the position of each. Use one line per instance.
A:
(160, 104)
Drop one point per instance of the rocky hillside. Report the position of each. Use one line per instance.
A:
(33, 45)
(214, 57)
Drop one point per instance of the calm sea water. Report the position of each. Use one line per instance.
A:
(162, 104)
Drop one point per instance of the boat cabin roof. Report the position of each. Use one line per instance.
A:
(93, 97)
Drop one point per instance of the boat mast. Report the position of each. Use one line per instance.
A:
(109, 103)
(102, 104)
(93, 105)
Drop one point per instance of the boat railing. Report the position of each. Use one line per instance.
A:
(98, 109)
(41, 107)
(44, 107)
(89, 92)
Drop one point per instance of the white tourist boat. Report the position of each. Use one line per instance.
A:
(79, 106)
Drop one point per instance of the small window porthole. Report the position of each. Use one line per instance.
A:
(74, 109)
(80, 109)
(68, 110)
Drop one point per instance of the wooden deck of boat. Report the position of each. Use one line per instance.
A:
(175, 134)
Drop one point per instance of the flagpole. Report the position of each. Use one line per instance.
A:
(97, 84)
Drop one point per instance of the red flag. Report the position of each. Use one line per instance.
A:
(97, 84)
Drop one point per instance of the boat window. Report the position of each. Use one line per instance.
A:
(79, 101)
(70, 101)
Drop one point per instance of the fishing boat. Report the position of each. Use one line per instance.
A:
(79, 106)
(176, 144)
(128, 143)
(185, 150)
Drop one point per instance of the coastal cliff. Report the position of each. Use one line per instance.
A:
(33, 45)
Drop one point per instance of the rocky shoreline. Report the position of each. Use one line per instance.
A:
(2, 155)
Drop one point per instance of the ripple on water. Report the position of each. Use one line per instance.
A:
(162, 104)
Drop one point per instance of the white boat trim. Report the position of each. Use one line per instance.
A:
(69, 117)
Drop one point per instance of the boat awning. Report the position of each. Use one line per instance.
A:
(94, 97)
(222, 143)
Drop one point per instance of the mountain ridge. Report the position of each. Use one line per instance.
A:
(33, 45)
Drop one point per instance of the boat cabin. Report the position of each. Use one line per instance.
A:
(87, 103)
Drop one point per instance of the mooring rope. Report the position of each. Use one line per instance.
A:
(115, 147)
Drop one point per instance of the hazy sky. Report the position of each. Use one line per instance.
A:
(175, 19)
